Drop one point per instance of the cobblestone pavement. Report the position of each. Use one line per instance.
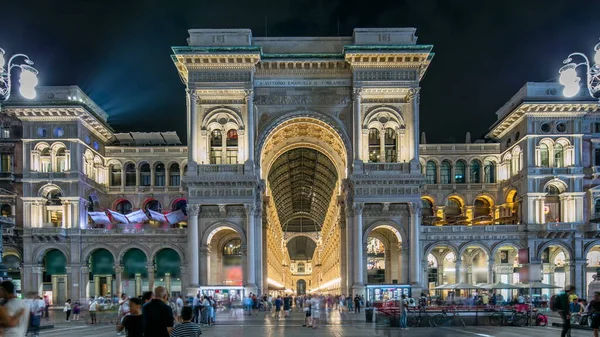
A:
(347, 325)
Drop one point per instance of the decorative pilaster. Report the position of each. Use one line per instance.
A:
(413, 97)
(357, 124)
(250, 128)
(150, 268)
(358, 254)
(251, 248)
(415, 244)
(193, 244)
(192, 125)
(118, 275)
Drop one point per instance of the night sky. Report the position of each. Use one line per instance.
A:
(118, 52)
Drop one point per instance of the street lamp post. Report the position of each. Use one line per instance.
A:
(28, 81)
(569, 79)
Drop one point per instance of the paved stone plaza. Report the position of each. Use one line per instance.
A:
(347, 325)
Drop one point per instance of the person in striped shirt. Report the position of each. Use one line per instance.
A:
(186, 328)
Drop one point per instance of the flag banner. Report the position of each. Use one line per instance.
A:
(99, 218)
(137, 216)
(175, 217)
(154, 215)
(118, 217)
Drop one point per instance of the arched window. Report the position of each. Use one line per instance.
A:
(145, 178)
(130, 175)
(115, 174)
(54, 209)
(216, 144)
(154, 205)
(159, 174)
(453, 208)
(475, 172)
(459, 172)
(391, 156)
(374, 148)
(552, 204)
(46, 160)
(559, 156)
(123, 207)
(6, 210)
(232, 146)
(61, 159)
(515, 162)
(445, 172)
(301, 268)
(426, 208)
(490, 172)
(181, 204)
(544, 155)
(431, 173)
(596, 209)
(482, 208)
(174, 175)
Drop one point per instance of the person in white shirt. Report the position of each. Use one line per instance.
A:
(92, 309)
(14, 315)
(36, 307)
(179, 303)
(123, 309)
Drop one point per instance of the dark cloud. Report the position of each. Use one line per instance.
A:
(118, 51)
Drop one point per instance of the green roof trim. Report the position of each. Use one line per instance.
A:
(207, 50)
(409, 47)
(305, 56)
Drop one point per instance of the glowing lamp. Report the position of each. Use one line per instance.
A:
(28, 81)
(570, 90)
(568, 75)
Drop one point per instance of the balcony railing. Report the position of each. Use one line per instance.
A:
(471, 229)
(58, 231)
(221, 169)
(375, 168)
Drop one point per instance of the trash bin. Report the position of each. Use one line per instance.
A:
(369, 315)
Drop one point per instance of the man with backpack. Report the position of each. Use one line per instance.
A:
(560, 303)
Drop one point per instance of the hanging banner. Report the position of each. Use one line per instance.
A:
(118, 217)
(154, 215)
(99, 218)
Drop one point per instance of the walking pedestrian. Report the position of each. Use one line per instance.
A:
(563, 308)
(14, 314)
(67, 309)
(46, 306)
(36, 307)
(357, 304)
(132, 322)
(76, 311)
(403, 311)
(157, 317)
(594, 309)
(196, 305)
(93, 309)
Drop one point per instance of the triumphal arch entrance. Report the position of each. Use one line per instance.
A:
(303, 171)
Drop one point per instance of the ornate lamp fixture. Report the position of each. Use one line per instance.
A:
(570, 80)
(28, 79)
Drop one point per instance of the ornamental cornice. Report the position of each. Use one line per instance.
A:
(225, 61)
(64, 114)
(220, 92)
(302, 100)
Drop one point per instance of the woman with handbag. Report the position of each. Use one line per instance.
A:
(67, 309)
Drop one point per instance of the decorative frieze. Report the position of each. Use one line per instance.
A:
(382, 75)
(220, 76)
(302, 100)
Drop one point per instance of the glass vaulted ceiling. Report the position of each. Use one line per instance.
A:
(302, 181)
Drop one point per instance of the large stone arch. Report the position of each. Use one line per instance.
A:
(339, 142)
(164, 246)
(86, 254)
(505, 243)
(446, 244)
(125, 249)
(565, 247)
(477, 244)
(220, 225)
(588, 246)
(40, 252)
(391, 225)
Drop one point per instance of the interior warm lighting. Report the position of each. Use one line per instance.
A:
(274, 283)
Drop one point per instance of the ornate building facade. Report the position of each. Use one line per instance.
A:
(304, 171)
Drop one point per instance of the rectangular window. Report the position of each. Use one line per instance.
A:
(596, 127)
(596, 157)
(215, 155)
(159, 180)
(145, 179)
(174, 181)
(6, 163)
(5, 133)
(232, 156)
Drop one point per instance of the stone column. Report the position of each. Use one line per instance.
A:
(414, 98)
(382, 146)
(578, 271)
(204, 258)
(389, 269)
(138, 284)
(118, 276)
(193, 246)
(193, 150)
(223, 147)
(350, 266)
(457, 265)
(415, 244)
(261, 244)
(343, 254)
(84, 281)
(404, 264)
(151, 270)
(251, 285)
(358, 286)
(250, 129)
(490, 277)
(357, 125)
